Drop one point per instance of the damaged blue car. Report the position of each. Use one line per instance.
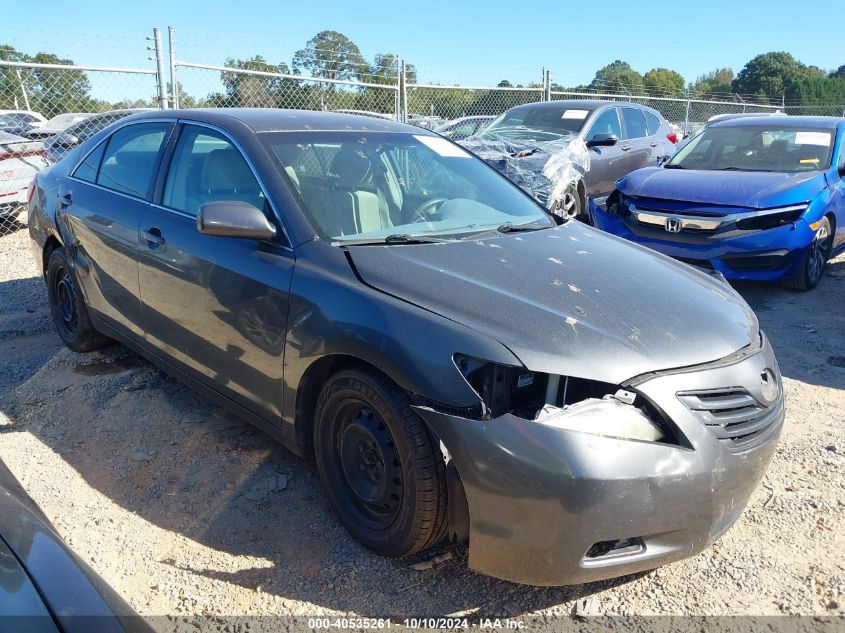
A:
(753, 198)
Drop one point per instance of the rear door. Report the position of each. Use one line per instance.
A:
(636, 142)
(605, 162)
(215, 307)
(102, 204)
(658, 129)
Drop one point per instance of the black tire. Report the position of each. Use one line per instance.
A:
(815, 259)
(383, 474)
(67, 307)
(569, 206)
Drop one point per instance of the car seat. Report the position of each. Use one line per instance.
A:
(349, 204)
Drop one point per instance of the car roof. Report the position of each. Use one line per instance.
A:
(823, 122)
(577, 104)
(278, 120)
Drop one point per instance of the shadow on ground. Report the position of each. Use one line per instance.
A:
(186, 466)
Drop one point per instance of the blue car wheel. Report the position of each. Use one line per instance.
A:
(815, 258)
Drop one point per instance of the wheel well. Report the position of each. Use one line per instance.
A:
(309, 390)
(49, 246)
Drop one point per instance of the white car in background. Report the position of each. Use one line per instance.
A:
(20, 160)
(58, 124)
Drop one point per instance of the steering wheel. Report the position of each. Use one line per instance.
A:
(422, 212)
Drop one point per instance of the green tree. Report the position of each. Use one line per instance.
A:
(49, 91)
(771, 75)
(663, 82)
(617, 76)
(331, 55)
(716, 83)
(839, 73)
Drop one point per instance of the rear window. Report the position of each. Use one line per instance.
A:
(634, 123)
(652, 122)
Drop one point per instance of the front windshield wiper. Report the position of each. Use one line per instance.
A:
(673, 166)
(394, 238)
(507, 227)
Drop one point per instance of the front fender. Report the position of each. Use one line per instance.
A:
(334, 313)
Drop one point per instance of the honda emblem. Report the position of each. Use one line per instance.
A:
(673, 225)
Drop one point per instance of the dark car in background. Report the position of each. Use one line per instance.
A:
(459, 129)
(541, 147)
(59, 145)
(44, 586)
(459, 363)
(757, 198)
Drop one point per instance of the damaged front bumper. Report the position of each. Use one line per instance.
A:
(549, 506)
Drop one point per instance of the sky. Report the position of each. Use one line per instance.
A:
(474, 43)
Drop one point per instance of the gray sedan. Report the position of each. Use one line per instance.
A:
(460, 364)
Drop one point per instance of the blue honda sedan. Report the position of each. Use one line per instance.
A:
(760, 199)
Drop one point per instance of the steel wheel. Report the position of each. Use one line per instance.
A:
(367, 456)
(66, 301)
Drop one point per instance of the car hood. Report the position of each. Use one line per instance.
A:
(758, 190)
(542, 168)
(569, 300)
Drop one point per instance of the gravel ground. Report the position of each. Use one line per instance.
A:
(186, 510)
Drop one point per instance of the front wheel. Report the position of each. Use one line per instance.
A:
(67, 307)
(569, 205)
(382, 473)
(815, 258)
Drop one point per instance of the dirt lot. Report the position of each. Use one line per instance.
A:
(171, 499)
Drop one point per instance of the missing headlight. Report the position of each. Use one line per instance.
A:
(503, 388)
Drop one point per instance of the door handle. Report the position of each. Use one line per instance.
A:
(625, 148)
(653, 144)
(153, 237)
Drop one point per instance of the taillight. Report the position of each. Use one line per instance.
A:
(31, 192)
(672, 137)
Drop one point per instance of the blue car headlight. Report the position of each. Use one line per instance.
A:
(773, 218)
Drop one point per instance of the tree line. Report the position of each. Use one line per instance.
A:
(775, 77)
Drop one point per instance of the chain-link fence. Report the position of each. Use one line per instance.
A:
(47, 108)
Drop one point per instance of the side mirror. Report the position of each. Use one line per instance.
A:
(841, 171)
(603, 140)
(233, 218)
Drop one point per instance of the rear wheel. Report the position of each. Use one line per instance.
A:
(815, 259)
(67, 307)
(383, 474)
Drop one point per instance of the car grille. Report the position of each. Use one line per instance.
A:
(734, 416)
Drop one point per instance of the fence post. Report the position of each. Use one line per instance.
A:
(686, 116)
(404, 94)
(397, 102)
(162, 93)
(23, 90)
(174, 84)
(547, 85)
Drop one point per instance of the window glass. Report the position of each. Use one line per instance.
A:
(634, 123)
(87, 169)
(370, 185)
(778, 148)
(652, 122)
(130, 157)
(606, 123)
(543, 123)
(207, 167)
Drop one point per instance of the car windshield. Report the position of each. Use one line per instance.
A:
(544, 124)
(12, 119)
(775, 148)
(368, 186)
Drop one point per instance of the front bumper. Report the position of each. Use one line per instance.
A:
(765, 255)
(541, 498)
